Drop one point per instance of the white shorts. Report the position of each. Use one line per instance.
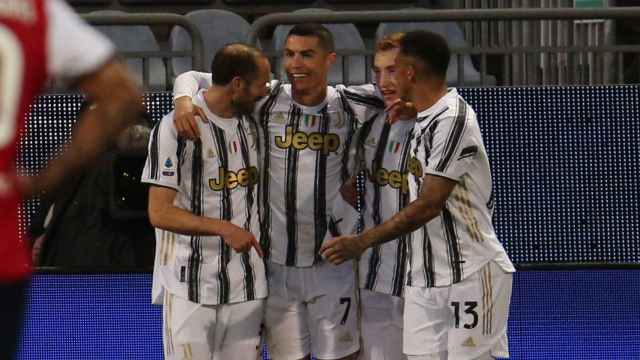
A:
(466, 320)
(311, 310)
(216, 332)
(381, 326)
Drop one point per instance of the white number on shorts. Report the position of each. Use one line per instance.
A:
(11, 73)
(470, 310)
(346, 310)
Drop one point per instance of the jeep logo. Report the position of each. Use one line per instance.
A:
(326, 143)
(231, 180)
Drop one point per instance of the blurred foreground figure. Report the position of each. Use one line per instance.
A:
(38, 40)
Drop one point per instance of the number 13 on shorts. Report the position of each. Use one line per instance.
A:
(470, 312)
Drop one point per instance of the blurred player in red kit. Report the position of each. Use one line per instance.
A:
(39, 40)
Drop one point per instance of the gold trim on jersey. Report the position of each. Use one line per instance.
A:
(415, 167)
(167, 247)
(461, 194)
(186, 350)
(168, 341)
(487, 300)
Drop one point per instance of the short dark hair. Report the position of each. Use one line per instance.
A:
(429, 48)
(233, 60)
(324, 36)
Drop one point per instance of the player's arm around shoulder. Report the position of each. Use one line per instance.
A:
(185, 88)
(188, 83)
(364, 100)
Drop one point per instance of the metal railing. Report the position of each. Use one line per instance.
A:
(523, 64)
(150, 19)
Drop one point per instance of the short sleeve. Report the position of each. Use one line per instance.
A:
(74, 48)
(450, 144)
(162, 166)
(188, 84)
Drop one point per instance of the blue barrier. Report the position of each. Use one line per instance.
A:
(582, 314)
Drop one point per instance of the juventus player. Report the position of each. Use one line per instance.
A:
(383, 151)
(203, 203)
(459, 277)
(38, 40)
(307, 127)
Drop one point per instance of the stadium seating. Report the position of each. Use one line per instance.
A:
(218, 28)
(136, 39)
(348, 69)
(454, 36)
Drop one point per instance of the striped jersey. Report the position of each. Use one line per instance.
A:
(216, 177)
(304, 162)
(384, 151)
(454, 245)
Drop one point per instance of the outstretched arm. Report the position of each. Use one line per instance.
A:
(429, 204)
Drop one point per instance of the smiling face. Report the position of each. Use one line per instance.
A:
(307, 63)
(384, 68)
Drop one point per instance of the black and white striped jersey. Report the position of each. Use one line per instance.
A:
(447, 142)
(216, 178)
(304, 162)
(383, 151)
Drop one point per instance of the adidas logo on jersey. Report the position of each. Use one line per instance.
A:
(469, 342)
(326, 143)
(231, 180)
(279, 118)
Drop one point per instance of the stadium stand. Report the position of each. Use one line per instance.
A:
(497, 51)
(138, 38)
(348, 69)
(450, 30)
(218, 28)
